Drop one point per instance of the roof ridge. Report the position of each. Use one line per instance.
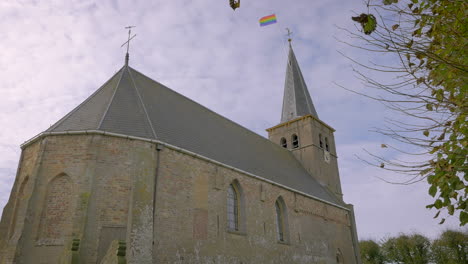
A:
(142, 103)
(60, 121)
(112, 98)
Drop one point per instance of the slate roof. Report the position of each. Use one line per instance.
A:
(132, 104)
(296, 101)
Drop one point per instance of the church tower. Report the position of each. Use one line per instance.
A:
(303, 133)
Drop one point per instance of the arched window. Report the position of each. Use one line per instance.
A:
(326, 144)
(55, 221)
(283, 143)
(320, 141)
(233, 207)
(295, 141)
(19, 206)
(339, 257)
(281, 220)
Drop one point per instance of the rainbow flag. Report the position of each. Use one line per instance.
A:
(267, 20)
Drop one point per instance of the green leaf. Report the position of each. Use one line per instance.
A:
(426, 133)
(460, 186)
(451, 209)
(367, 21)
(442, 221)
(438, 204)
(437, 215)
(394, 27)
(430, 178)
(463, 218)
(433, 190)
(410, 44)
(370, 25)
(389, 2)
(441, 137)
(429, 107)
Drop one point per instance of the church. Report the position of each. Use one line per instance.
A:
(140, 174)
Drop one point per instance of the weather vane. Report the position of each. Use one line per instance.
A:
(128, 42)
(289, 35)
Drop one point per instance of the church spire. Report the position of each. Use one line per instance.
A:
(296, 101)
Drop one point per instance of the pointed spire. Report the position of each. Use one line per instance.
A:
(296, 101)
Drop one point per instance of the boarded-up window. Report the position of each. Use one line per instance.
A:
(56, 217)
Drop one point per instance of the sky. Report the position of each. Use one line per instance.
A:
(57, 53)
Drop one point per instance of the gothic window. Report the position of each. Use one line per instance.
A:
(320, 141)
(283, 143)
(326, 144)
(281, 220)
(295, 141)
(233, 207)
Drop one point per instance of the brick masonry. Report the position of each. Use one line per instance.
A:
(100, 189)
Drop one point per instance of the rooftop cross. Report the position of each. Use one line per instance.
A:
(128, 42)
(289, 35)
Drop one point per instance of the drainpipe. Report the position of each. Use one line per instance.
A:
(159, 147)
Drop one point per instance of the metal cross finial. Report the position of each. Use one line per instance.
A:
(289, 35)
(128, 42)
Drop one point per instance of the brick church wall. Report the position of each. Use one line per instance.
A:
(100, 188)
(192, 224)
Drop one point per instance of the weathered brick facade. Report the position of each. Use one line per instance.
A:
(100, 188)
